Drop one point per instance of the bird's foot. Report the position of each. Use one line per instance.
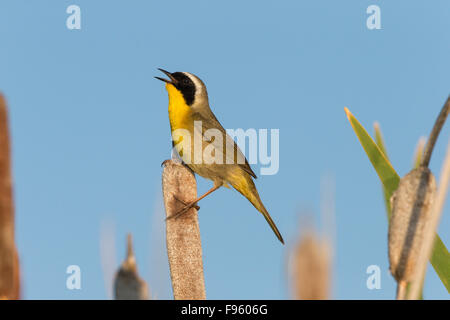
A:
(187, 206)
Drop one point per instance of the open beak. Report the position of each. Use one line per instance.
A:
(167, 73)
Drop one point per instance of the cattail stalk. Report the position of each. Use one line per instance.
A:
(429, 234)
(435, 133)
(184, 247)
(9, 262)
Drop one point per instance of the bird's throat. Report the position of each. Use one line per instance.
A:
(180, 114)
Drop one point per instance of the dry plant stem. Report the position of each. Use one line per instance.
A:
(429, 234)
(418, 153)
(184, 247)
(435, 133)
(9, 262)
(127, 284)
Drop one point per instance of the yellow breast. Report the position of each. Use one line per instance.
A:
(180, 117)
(180, 114)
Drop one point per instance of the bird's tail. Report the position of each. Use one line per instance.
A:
(247, 188)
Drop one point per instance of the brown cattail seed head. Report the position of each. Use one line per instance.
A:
(312, 259)
(184, 248)
(411, 207)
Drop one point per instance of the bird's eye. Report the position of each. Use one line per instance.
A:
(186, 82)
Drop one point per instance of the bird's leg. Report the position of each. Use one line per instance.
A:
(185, 203)
(192, 204)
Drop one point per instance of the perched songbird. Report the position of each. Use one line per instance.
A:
(218, 157)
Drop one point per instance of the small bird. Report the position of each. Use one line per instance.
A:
(189, 107)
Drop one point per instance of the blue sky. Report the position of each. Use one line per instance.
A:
(90, 129)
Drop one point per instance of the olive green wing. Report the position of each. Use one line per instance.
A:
(210, 121)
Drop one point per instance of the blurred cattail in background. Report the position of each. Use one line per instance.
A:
(310, 261)
(311, 271)
(127, 284)
(9, 261)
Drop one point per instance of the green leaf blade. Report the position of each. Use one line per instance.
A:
(380, 143)
(389, 178)
(440, 260)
